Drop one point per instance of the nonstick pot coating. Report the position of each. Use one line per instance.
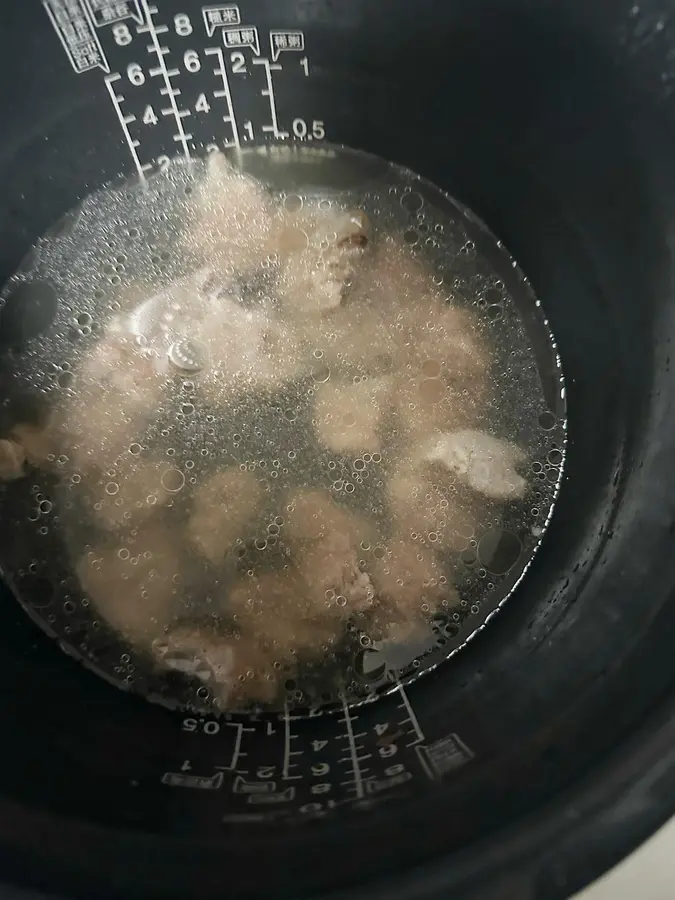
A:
(552, 121)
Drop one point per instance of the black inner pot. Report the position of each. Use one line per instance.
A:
(551, 121)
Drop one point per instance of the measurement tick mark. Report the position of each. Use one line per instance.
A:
(410, 717)
(354, 757)
(117, 99)
(224, 92)
(269, 93)
(180, 137)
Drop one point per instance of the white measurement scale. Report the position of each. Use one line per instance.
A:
(182, 84)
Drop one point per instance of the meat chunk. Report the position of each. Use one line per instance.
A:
(350, 416)
(452, 347)
(132, 583)
(237, 670)
(327, 545)
(433, 511)
(38, 444)
(394, 318)
(223, 512)
(275, 609)
(12, 460)
(486, 464)
(313, 514)
(201, 328)
(409, 581)
(445, 385)
(115, 400)
(336, 584)
(320, 251)
(131, 491)
(232, 218)
(411, 586)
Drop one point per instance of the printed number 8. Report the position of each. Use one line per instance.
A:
(121, 34)
(182, 24)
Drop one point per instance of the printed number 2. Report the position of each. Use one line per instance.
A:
(238, 63)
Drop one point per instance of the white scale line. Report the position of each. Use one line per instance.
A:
(288, 753)
(181, 136)
(353, 753)
(411, 715)
(222, 71)
(124, 120)
(269, 93)
(237, 751)
(167, 111)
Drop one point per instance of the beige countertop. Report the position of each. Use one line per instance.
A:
(649, 874)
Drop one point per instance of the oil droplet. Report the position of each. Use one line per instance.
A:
(499, 550)
(431, 368)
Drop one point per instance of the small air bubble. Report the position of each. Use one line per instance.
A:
(173, 480)
(321, 374)
(293, 202)
(412, 202)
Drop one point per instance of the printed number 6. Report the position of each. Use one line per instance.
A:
(191, 60)
(135, 74)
